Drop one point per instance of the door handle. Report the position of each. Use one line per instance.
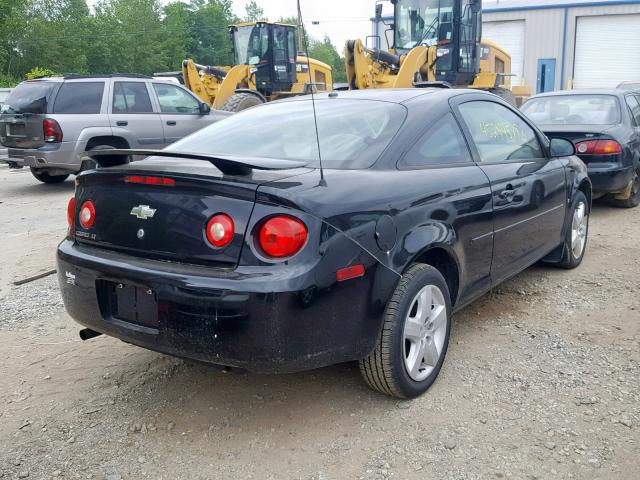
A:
(122, 123)
(171, 122)
(507, 193)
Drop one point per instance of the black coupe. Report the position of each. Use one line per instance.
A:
(233, 246)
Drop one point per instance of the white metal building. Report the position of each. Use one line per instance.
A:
(558, 44)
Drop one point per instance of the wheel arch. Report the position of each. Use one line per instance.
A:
(112, 140)
(444, 259)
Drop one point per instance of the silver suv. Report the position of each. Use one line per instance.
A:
(48, 123)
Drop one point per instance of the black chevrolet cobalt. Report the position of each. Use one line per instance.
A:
(305, 233)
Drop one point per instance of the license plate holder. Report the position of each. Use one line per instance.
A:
(132, 303)
(16, 130)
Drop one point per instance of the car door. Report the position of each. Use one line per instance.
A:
(179, 112)
(528, 188)
(132, 115)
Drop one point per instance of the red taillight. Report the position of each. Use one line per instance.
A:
(282, 236)
(219, 230)
(598, 147)
(52, 131)
(71, 216)
(87, 214)
(149, 180)
(348, 273)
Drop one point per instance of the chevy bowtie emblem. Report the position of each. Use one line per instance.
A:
(143, 212)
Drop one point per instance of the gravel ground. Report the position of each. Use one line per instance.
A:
(542, 381)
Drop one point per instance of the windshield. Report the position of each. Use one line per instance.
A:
(251, 44)
(423, 22)
(573, 110)
(29, 97)
(352, 133)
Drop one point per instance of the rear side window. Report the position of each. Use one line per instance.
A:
(499, 134)
(174, 99)
(634, 107)
(131, 97)
(79, 97)
(441, 144)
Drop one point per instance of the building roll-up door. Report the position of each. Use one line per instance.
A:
(510, 36)
(607, 49)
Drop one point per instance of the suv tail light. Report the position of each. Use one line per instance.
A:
(87, 214)
(282, 236)
(598, 147)
(52, 131)
(71, 216)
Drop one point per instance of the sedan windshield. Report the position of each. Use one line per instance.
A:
(576, 109)
(352, 133)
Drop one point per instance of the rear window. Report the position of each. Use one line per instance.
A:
(3, 96)
(352, 133)
(29, 97)
(79, 97)
(573, 110)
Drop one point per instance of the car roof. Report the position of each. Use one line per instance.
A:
(592, 91)
(393, 95)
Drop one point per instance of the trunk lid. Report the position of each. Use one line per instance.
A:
(579, 133)
(168, 221)
(23, 113)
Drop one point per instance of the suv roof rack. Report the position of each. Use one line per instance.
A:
(106, 75)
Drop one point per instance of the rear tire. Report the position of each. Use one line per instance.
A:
(241, 101)
(415, 335)
(44, 176)
(634, 197)
(575, 243)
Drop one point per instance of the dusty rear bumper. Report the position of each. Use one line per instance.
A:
(55, 155)
(251, 319)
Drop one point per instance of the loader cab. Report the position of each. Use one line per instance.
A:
(270, 50)
(453, 27)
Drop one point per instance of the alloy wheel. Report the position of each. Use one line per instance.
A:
(425, 329)
(579, 226)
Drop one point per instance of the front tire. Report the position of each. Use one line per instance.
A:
(44, 176)
(575, 243)
(415, 335)
(241, 101)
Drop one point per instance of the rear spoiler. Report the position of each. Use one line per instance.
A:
(229, 165)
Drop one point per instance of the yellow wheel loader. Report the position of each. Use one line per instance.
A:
(435, 43)
(267, 67)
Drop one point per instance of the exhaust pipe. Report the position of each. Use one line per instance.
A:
(87, 333)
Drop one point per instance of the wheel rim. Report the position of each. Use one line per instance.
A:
(425, 329)
(579, 229)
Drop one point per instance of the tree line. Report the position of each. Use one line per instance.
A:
(124, 36)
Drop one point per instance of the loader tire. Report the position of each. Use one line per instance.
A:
(241, 101)
(505, 94)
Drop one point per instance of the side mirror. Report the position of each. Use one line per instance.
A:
(204, 109)
(378, 12)
(559, 147)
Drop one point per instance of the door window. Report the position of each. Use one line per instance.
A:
(441, 144)
(499, 134)
(174, 99)
(79, 97)
(634, 107)
(131, 97)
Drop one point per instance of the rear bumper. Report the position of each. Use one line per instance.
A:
(265, 322)
(54, 155)
(609, 177)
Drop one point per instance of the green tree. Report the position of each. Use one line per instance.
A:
(255, 12)
(327, 53)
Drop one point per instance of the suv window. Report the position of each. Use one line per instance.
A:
(174, 99)
(441, 144)
(634, 107)
(131, 97)
(79, 97)
(29, 97)
(498, 133)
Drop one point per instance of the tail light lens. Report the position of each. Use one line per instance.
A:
(87, 214)
(150, 180)
(52, 131)
(282, 236)
(219, 230)
(71, 216)
(598, 147)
